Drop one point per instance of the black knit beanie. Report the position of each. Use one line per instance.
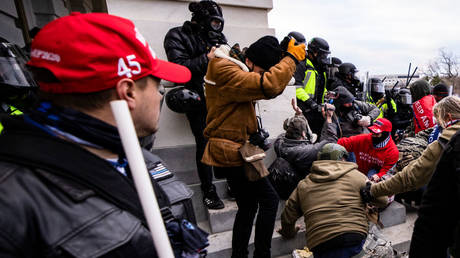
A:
(265, 52)
(441, 90)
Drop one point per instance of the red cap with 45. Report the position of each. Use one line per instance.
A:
(92, 52)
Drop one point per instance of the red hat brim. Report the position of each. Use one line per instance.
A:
(171, 72)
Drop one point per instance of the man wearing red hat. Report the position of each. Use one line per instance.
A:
(65, 185)
(376, 153)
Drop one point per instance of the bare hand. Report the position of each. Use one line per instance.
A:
(282, 233)
(297, 110)
(375, 178)
(328, 112)
(211, 53)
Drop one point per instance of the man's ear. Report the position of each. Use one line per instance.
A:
(126, 91)
(248, 62)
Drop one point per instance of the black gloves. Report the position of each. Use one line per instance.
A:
(312, 104)
(366, 193)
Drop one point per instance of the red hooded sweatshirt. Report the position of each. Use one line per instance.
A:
(368, 156)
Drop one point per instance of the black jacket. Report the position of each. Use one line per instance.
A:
(301, 153)
(436, 227)
(338, 81)
(187, 45)
(299, 74)
(59, 200)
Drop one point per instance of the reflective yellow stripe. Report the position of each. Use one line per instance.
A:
(15, 111)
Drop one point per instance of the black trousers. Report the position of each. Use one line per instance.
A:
(251, 197)
(197, 121)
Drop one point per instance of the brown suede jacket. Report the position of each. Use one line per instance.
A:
(230, 95)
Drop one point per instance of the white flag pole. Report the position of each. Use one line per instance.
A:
(141, 178)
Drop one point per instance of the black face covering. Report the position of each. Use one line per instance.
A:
(344, 109)
(377, 140)
(376, 96)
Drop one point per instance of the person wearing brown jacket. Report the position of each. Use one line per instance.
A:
(329, 200)
(231, 89)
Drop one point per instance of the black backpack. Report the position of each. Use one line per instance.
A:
(283, 177)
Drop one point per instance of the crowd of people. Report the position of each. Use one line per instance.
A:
(66, 188)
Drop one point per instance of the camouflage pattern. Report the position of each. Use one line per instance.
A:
(332, 151)
(376, 246)
(411, 148)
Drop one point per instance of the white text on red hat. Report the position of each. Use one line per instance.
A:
(37, 53)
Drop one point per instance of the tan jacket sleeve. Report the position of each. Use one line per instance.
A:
(380, 201)
(415, 175)
(290, 215)
(240, 86)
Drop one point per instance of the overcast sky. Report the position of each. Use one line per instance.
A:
(379, 36)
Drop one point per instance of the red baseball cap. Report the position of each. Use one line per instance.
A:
(92, 52)
(380, 125)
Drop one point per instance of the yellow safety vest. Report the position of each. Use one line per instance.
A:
(384, 107)
(307, 90)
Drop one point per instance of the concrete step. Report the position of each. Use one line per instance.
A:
(220, 244)
(201, 212)
(222, 220)
(394, 214)
(400, 235)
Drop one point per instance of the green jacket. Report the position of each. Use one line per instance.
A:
(307, 90)
(329, 200)
(418, 173)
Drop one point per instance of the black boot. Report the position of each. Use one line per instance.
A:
(211, 200)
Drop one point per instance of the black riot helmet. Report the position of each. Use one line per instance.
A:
(182, 100)
(377, 88)
(299, 38)
(208, 14)
(348, 70)
(319, 48)
(16, 82)
(335, 61)
(376, 85)
(404, 97)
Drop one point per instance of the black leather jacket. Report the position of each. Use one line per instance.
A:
(79, 206)
(301, 153)
(188, 45)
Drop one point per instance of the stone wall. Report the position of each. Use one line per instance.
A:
(245, 22)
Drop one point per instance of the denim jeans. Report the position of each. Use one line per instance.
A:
(345, 252)
(251, 197)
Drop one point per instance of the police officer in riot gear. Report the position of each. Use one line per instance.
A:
(332, 69)
(310, 95)
(346, 77)
(404, 116)
(192, 45)
(378, 97)
(17, 87)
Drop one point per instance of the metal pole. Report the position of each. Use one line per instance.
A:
(141, 178)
